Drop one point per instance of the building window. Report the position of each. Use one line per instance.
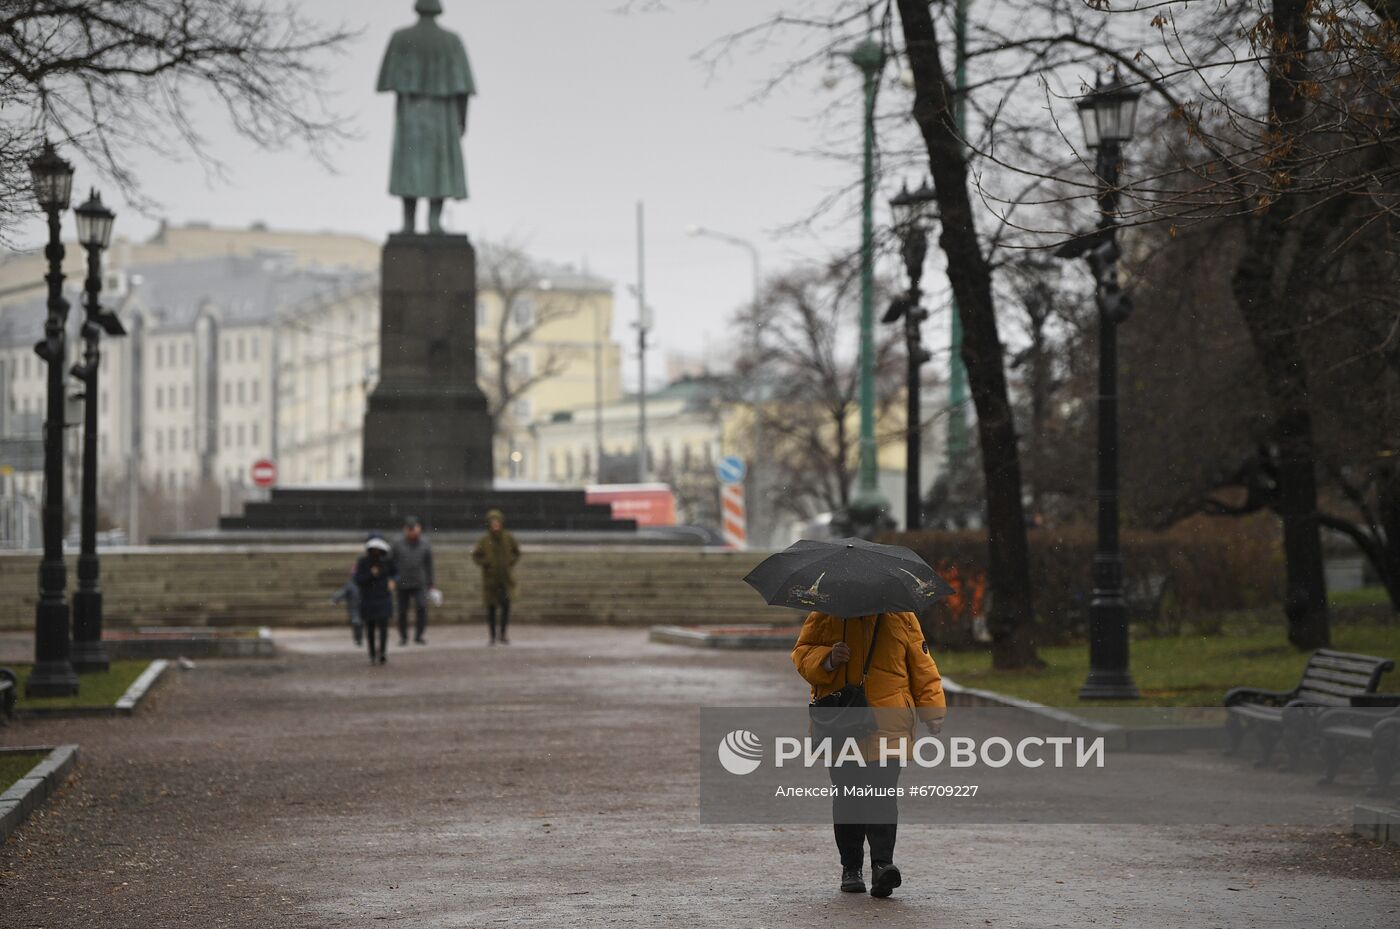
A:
(228, 350)
(240, 435)
(160, 398)
(241, 348)
(256, 343)
(483, 312)
(102, 400)
(160, 354)
(522, 312)
(240, 393)
(226, 436)
(521, 364)
(255, 388)
(255, 431)
(523, 409)
(186, 392)
(185, 354)
(160, 441)
(228, 393)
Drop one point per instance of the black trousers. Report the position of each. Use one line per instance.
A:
(858, 820)
(419, 597)
(377, 634)
(505, 616)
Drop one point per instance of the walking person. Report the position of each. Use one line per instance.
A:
(497, 553)
(903, 687)
(374, 576)
(413, 561)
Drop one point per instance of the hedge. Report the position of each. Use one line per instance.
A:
(1201, 568)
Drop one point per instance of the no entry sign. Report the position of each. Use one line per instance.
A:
(264, 473)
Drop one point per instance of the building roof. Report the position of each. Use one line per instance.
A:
(242, 290)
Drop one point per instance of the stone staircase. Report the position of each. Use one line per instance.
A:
(292, 586)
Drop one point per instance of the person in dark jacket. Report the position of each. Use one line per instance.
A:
(496, 553)
(413, 560)
(374, 576)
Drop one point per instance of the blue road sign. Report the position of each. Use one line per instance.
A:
(731, 470)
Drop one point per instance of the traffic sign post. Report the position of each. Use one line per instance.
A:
(734, 519)
(264, 473)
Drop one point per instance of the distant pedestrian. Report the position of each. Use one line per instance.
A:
(497, 553)
(350, 596)
(413, 560)
(374, 576)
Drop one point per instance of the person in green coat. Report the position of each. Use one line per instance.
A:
(427, 69)
(497, 553)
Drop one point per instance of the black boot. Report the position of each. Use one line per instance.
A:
(852, 881)
(884, 878)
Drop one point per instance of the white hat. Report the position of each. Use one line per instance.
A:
(379, 544)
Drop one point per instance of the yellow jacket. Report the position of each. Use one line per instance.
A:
(904, 685)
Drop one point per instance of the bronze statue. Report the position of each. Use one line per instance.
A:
(426, 66)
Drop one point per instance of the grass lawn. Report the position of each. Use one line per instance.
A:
(94, 690)
(1188, 670)
(15, 765)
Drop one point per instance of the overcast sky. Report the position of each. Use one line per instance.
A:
(582, 112)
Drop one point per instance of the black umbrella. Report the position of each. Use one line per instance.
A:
(848, 577)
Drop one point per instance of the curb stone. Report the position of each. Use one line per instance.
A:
(1118, 738)
(29, 792)
(700, 637)
(125, 705)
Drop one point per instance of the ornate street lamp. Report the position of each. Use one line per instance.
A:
(1107, 114)
(52, 675)
(913, 211)
(868, 506)
(95, 234)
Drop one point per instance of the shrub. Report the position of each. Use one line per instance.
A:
(1199, 568)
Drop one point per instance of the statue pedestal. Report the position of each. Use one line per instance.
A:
(427, 423)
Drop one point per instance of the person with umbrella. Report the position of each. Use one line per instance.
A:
(863, 653)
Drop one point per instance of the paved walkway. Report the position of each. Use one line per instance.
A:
(552, 783)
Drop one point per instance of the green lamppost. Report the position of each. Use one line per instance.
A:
(868, 506)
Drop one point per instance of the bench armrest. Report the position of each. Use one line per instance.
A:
(1239, 695)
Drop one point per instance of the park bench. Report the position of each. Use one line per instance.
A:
(1371, 725)
(9, 692)
(1330, 680)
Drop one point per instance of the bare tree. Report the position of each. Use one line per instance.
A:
(110, 76)
(810, 381)
(517, 358)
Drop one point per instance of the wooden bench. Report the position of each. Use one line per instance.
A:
(9, 692)
(1330, 680)
(1372, 726)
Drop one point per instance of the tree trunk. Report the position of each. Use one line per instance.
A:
(1260, 290)
(1011, 619)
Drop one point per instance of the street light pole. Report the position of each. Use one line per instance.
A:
(868, 506)
(911, 210)
(95, 234)
(1107, 115)
(53, 674)
(754, 494)
(643, 326)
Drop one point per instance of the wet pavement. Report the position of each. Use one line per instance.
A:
(553, 782)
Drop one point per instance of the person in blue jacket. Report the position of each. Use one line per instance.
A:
(375, 577)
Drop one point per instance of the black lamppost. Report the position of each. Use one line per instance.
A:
(95, 234)
(52, 675)
(912, 212)
(1107, 115)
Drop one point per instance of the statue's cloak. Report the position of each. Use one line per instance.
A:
(427, 67)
